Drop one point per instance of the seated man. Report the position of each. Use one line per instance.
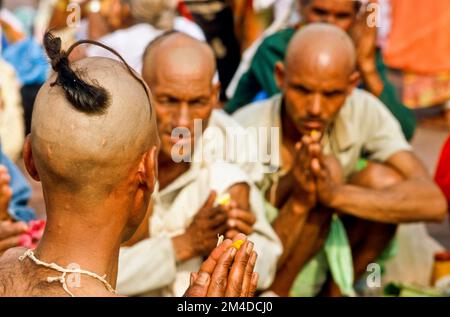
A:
(326, 123)
(342, 13)
(97, 172)
(185, 223)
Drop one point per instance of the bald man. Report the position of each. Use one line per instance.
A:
(97, 172)
(326, 123)
(185, 222)
(348, 15)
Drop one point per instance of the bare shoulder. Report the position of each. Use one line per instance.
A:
(22, 278)
(10, 272)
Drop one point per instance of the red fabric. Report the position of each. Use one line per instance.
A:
(184, 10)
(442, 177)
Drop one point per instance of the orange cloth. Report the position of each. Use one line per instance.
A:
(419, 40)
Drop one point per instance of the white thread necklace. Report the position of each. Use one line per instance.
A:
(62, 279)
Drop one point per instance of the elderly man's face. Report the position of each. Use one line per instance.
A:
(180, 98)
(313, 96)
(341, 13)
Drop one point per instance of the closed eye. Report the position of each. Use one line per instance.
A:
(302, 89)
(333, 93)
(319, 11)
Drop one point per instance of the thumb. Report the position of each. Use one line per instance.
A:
(199, 286)
(210, 201)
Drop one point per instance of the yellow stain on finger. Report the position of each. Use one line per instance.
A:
(314, 133)
(237, 244)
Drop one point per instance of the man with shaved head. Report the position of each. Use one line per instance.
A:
(187, 218)
(326, 125)
(348, 15)
(94, 147)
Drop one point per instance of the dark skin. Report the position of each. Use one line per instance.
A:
(227, 272)
(183, 94)
(343, 14)
(314, 92)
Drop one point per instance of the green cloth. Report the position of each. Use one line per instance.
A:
(260, 77)
(335, 256)
(339, 257)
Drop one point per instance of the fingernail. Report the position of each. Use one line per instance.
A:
(253, 258)
(249, 247)
(191, 281)
(233, 252)
(255, 277)
(232, 223)
(203, 278)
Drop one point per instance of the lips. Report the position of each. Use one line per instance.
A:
(313, 125)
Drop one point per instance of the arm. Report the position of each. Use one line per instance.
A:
(289, 224)
(416, 198)
(267, 244)
(293, 214)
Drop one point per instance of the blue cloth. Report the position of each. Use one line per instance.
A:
(18, 208)
(29, 61)
(4, 41)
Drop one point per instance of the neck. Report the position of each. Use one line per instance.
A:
(168, 170)
(85, 235)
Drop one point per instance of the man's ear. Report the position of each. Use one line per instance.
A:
(279, 74)
(148, 169)
(29, 160)
(354, 80)
(216, 94)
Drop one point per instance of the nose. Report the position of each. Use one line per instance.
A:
(315, 106)
(329, 18)
(184, 118)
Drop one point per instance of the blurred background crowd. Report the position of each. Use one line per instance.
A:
(412, 36)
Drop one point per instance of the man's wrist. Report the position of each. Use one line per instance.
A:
(371, 78)
(301, 201)
(337, 198)
(183, 249)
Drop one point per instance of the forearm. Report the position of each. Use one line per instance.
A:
(289, 224)
(409, 201)
(279, 193)
(372, 80)
(309, 243)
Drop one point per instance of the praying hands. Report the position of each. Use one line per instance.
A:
(228, 271)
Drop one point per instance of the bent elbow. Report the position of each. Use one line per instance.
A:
(440, 208)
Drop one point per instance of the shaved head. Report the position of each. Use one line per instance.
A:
(182, 54)
(323, 47)
(180, 71)
(318, 74)
(86, 152)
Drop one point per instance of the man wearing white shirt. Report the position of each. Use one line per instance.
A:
(185, 223)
